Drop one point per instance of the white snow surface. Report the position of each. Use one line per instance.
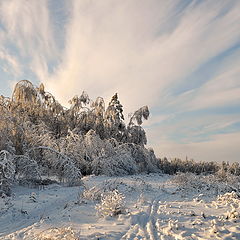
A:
(155, 209)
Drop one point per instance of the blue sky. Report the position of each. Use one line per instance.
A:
(181, 58)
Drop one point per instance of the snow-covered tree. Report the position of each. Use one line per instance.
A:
(6, 126)
(99, 110)
(7, 172)
(47, 139)
(144, 158)
(26, 168)
(24, 93)
(73, 146)
(134, 132)
(62, 166)
(114, 119)
(118, 162)
(139, 115)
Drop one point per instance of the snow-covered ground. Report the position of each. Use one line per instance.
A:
(155, 209)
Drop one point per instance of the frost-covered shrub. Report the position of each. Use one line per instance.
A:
(112, 204)
(95, 193)
(226, 184)
(70, 172)
(92, 194)
(73, 146)
(62, 166)
(233, 214)
(67, 171)
(223, 175)
(117, 163)
(229, 198)
(7, 172)
(190, 182)
(145, 159)
(141, 185)
(57, 233)
(26, 167)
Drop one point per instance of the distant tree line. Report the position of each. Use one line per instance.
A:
(175, 165)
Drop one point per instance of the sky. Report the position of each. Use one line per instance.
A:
(179, 57)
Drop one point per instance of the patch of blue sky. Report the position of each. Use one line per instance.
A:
(228, 5)
(183, 138)
(2, 27)
(28, 74)
(59, 17)
(190, 126)
(4, 82)
(174, 17)
(11, 48)
(220, 110)
(52, 65)
(181, 7)
(227, 109)
(15, 51)
(193, 134)
(204, 72)
(234, 127)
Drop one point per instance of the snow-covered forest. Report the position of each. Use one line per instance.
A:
(39, 137)
(82, 155)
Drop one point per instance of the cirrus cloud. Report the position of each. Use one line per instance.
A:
(179, 57)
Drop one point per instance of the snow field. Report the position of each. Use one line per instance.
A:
(155, 208)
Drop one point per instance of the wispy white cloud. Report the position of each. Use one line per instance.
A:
(27, 27)
(221, 90)
(192, 128)
(140, 49)
(117, 47)
(128, 45)
(11, 65)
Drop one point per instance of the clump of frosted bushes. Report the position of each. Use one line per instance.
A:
(218, 183)
(229, 198)
(58, 233)
(112, 204)
(95, 193)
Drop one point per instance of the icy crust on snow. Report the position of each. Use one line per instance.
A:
(154, 208)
